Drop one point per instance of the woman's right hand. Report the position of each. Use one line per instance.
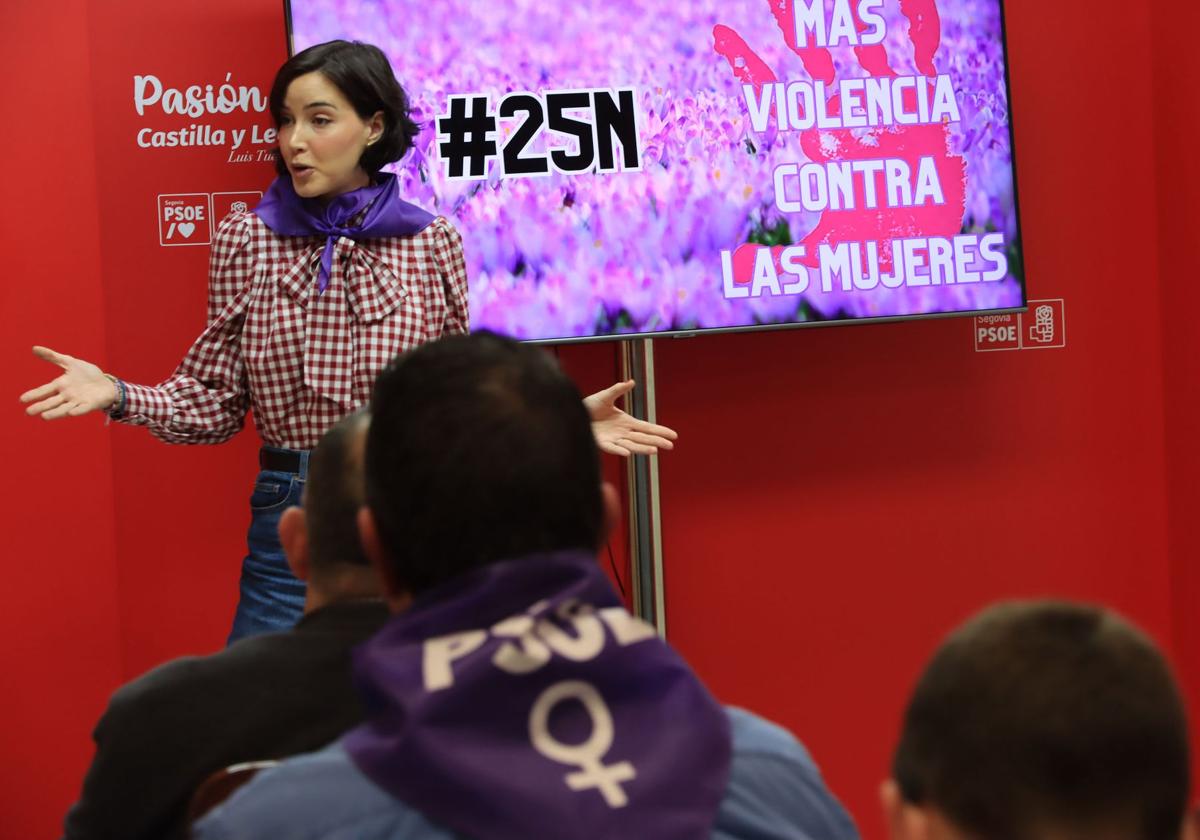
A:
(83, 387)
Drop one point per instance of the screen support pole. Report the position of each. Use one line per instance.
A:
(645, 536)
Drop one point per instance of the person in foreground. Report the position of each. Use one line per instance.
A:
(1042, 721)
(511, 695)
(270, 696)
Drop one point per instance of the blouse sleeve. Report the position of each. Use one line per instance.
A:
(206, 399)
(448, 253)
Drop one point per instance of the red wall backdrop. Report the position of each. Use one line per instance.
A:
(839, 500)
(61, 615)
(1176, 72)
(180, 511)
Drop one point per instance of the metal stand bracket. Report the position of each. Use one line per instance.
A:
(645, 535)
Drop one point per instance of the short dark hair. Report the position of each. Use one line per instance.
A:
(480, 450)
(1048, 716)
(333, 494)
(364, 76)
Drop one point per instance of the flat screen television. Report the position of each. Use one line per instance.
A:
(621, 168)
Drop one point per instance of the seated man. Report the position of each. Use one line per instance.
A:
(265, 697)
(1042, 721)
(512, 696)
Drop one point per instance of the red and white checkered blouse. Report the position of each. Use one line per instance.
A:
(302, 360)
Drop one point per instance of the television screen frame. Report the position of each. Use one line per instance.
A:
(1021, 277)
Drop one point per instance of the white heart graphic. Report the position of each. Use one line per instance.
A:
(185, 228)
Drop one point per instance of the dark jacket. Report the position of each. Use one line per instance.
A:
(265, 697)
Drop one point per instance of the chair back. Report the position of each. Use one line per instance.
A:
(220, 786)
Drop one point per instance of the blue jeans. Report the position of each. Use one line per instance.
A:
(271, 597)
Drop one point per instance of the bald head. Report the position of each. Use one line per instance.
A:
(333, 493)
(321, 538)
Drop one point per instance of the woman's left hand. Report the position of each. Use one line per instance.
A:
(619, 433)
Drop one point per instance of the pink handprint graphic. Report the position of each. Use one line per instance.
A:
(865, 219)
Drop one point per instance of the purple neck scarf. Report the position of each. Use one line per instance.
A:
(522, 700)
(388, 215)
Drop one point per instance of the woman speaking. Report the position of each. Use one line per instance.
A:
(310, 295)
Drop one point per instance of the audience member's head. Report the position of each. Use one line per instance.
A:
(1042, 721)
(320, 539)
(479, 450)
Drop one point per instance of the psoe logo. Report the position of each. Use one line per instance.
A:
(1044, 325)
(224, 203)
(184, 219)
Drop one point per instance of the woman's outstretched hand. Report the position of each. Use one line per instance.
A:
(83, 387)
(619, 433)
